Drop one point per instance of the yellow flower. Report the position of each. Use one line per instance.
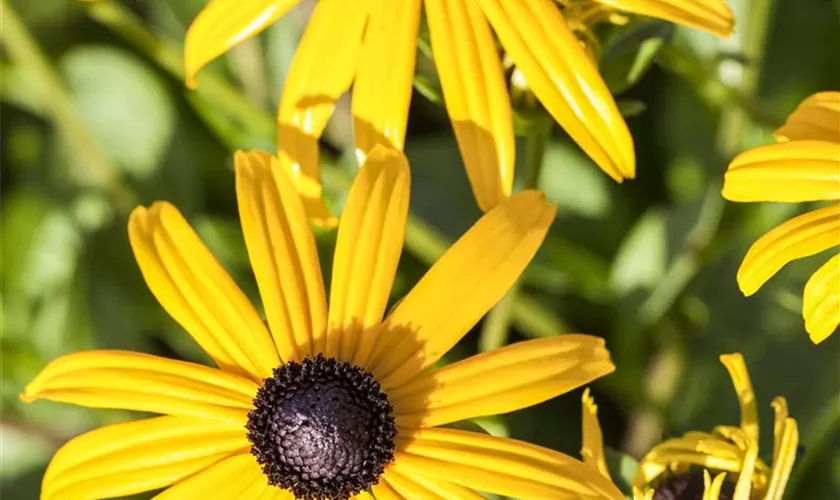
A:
(803, 166)
(682, 468)
(371, 46)
(324, 401)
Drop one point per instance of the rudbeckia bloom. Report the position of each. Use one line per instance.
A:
(323, 402)
(803, 166)
(371, 46)
(721, 465)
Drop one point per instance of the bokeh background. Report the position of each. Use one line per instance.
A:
(95, 119)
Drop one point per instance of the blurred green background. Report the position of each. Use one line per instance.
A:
(95, 119)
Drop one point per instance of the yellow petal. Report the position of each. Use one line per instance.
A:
(788, 172)
(225, 23)
(368, 247)
(235, 478)
(500, 465)
(198, 293)
(415, 486)
(142, 382)
(592, 450)
(322, 70)
(564, 79)
(737, 369)
(804, 235)
(786, 442)
(821, 301)
(282, 250)
(780, 409)
(411, 485)
(460, 288)
(384, 491)
(817, 117)
(524, 374)
(133, 457)
(713, 16)
(477, 100)
(382, 91)
(711, 490)
(696, 448)
(743, 487)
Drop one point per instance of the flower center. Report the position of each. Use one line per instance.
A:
(321, 429)
(689, 486)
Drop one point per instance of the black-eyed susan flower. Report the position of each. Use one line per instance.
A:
(322, 402)
(803, 166)
(721, 465)
(371, 46)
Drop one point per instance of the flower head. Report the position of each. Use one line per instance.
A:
(371, 46)
(803, 166)
(322, 402)
(721, 465)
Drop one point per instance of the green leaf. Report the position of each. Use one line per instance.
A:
(622, 468)
(630, 53)
(124, 103)
(643, 255)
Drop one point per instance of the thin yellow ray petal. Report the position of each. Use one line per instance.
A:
(524, 374)
(436, 488)
(592, 449)
(500, 465)
(564, 79)
(460, 288)
(191, 285)
(142, 382)
(225, 23)
(368, 248)
(817, 118)
(743, 487)
(793, 172)
(322, 70)
(711, 490)
(821, 301)
(476, 96)
(780, 409)
(737, 369)
(408, 488)
(639, 495)
(699, 449)
(802, 236)
(787, 442)
(282, 250)
(133, 457)
(713, 16)
(384, 491)
(235, 478)
(382, 91)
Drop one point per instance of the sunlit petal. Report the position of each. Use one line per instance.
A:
(821, 301)
(737, 369)
(476, 97)
(368, 248)
(804, 235)
(523, 374)
(786, 443)
(592, 449)
(198, 293)
(235, 478)
(789, 172)
(415, 486)
(382, 91)
(132, 457)
(713, 16)
(323, 68)
(500, 465)
(225, 23)
(461, 287)
(282, 250)
(564, 79)
(817, 117)
(142, 382)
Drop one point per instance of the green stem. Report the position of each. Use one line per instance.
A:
(24, 51)
(495, 330)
